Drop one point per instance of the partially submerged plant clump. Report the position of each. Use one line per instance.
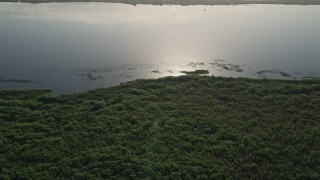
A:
(195, 72)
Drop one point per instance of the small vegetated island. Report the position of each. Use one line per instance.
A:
(196, 72)
(188, 127)
(3, 80)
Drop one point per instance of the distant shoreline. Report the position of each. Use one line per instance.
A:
(183, 2)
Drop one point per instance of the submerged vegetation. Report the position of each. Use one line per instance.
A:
(281, 73)
(90, 76)
(188, 127)
(227, 66)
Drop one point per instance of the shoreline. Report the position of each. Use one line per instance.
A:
(160, 79)
(182, 2)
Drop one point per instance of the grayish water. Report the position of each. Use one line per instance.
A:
(73, 47)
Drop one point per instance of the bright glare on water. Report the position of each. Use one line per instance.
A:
(73, 47)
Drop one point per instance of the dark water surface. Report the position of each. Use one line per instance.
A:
(73, 47)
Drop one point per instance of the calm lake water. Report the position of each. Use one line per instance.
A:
(74, 47)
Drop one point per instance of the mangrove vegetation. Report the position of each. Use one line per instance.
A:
(188, 127)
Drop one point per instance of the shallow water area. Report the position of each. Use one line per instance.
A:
(74, 47)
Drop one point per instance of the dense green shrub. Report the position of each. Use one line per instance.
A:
(187, 127)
